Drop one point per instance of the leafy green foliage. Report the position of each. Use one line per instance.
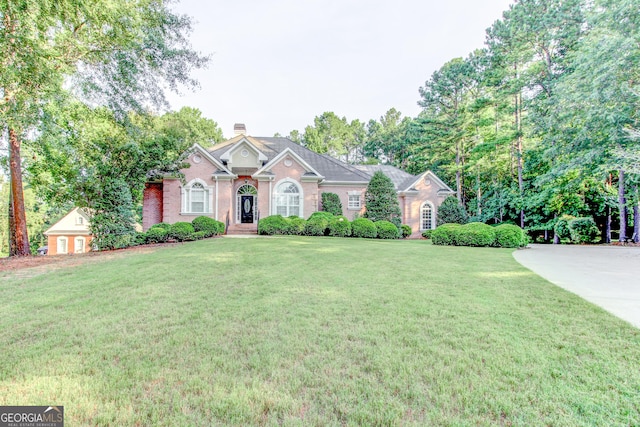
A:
(273, 225)
(386, 230)
(331, 203)
(112, 223)
(427, 234)
(181, 231)
(561, 228)
(405, 230)
(381, 200)
(157, 235)
(475, 234)
(295, 225)
(363, 227)
(510, 236)
(317, 226)
(451, 212)
(583, 230)
(209, 226)
(445, 234)
(339, 226)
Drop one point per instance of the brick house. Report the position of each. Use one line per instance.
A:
(70, 235)
(246, 178)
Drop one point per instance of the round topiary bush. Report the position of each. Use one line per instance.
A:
(273, 225)
(157, 235)
(340, 226)
(208, 225)
(510, 236)
(445, 234)
(321, 214)
(405, 230)
(427, 234)
(317, 225)
(387, 230)
(475, 234)
(181, 231)
(162, 225)
(199, 235)
(583, 230)
(295, 225)
(363, 227)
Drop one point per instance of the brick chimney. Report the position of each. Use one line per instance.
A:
(239, 129)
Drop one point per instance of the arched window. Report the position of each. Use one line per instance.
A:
(63, 248)
(288, 199)
(195, 198)
(426, 216)
(78, 245)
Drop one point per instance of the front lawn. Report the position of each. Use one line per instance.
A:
(313, 331)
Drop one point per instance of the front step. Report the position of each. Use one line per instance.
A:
(242, 229)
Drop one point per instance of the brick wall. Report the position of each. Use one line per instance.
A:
(152, 205)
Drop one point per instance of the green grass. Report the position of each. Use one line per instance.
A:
(314, 331)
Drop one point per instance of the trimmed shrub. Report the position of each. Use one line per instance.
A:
(272, 225)
(295, 225)
(199, 235)
(445, 234)
(181, 231)
(157, 235)
(317, 226)
(208, 225)
(140, 239)
(451, 212)
(583, 230)
(510, 236)
(331, 203)
(363, 227)
(561, 228)
(162, 225)
(475, 234)
(340, 226)
(405, 230)
(321, 214)
(387, 230)
(427, 234)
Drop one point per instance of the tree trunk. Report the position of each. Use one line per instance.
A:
(458, 173)
(636, 218)
(607, 233)
(622, 205)
(556, 238)
(18, 229)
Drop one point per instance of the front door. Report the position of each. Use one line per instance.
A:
(246, 204)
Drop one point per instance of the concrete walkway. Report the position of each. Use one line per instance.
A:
(608, 276)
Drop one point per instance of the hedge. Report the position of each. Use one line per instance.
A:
(510, 236)
(405, 230)
(387, 230)
(445, 234)
(157, 235)
(318, 224)
(476, 234)
(340, 226)
(295, 225)
(427, 234)
(209, 226)
(181, 230)
(364, 227)
(272, 225)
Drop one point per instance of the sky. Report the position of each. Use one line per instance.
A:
(277, 64)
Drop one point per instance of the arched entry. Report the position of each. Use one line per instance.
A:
(246, 202)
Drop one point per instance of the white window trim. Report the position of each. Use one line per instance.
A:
(275, 193)
(349, 195)
(433, 215)
(80, 246)
(186, 198)
(66, 245)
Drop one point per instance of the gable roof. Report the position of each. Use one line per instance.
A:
(331, 169)
(76, 222)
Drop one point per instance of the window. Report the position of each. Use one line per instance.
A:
(426, 216)
(79, 245)
(287, 199)
(195, 198)
(354, 201)
(62, 245)
(79, 220)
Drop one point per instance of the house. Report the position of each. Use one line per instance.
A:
(247, 178)
(70, 235)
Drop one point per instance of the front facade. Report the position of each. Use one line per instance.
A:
(70, 235)
(247, 178)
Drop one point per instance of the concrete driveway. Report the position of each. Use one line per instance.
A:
(608, 276)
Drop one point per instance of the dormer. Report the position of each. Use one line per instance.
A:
(243, 158)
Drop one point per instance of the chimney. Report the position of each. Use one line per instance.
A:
(239, 129)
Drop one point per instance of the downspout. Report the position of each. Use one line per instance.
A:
(270, 193)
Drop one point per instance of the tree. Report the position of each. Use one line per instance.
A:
(331, 203)
(381, 200)
(117, 52)
(451, 211)
(188, 125)
(387, 139)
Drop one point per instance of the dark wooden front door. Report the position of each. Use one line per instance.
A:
(246, 204)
